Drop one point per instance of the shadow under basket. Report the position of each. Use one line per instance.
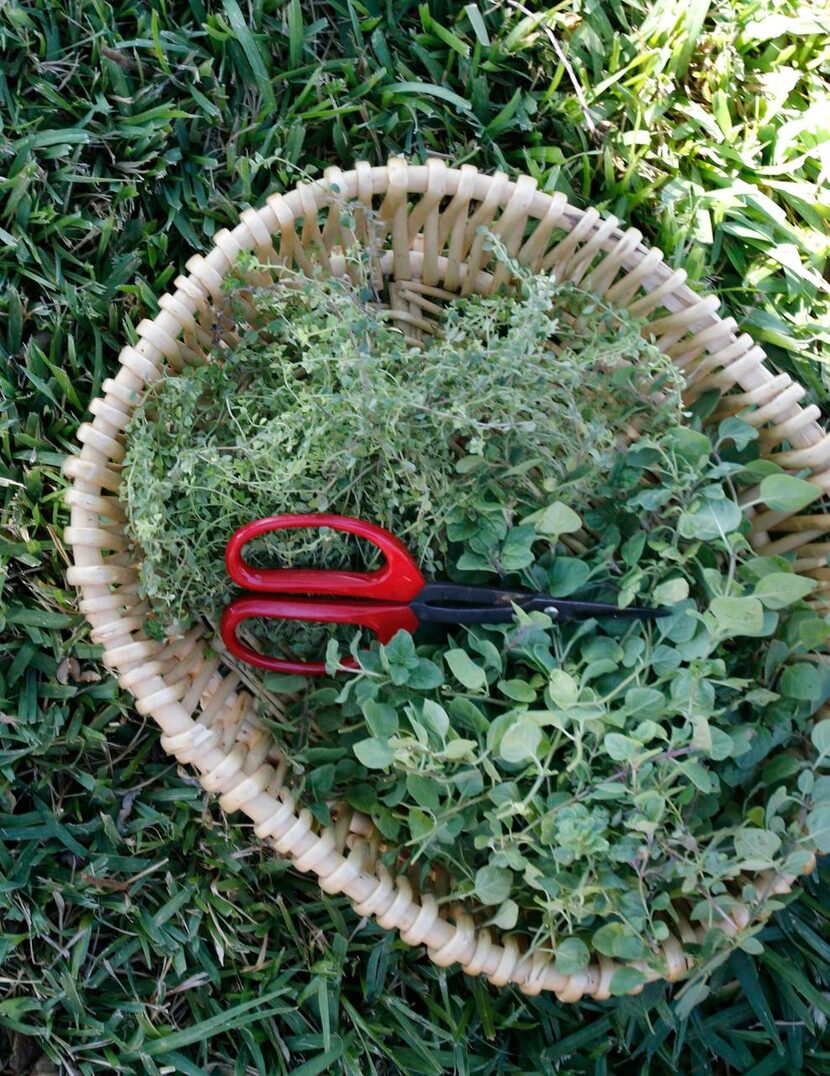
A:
(427, 220)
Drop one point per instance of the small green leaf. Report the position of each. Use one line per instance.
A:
(400, 650)
(281, 684)
(566, 575)
(626, 980)
(425, 675)
(801, 681)
(520, 742)
(737, 616)
(493, 884)
(786, 493)
(692, 995)
(554, 520)
(434, 716)
(374, 752)
(698, 775)
(651, 804)
(421, 824)
(458, 749)
(821, 736)
(518, 690)
(646, 731)
(399, 658)
(691, 444)
(712, 520)
(642, 702)
(735, 429)
(620, 748)
(332, 656)
(381, 719)
(563, 689)
(572, 955)
(616, 939)
(474, 562)
(780, 589)
(670, 592)
(702, 734)
(722, 745)
(423, 790)
(516, 552)
(465, 670)
(818, 826)
(756, 848)
(507, 916)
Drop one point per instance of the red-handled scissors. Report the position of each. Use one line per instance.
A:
(393, 597)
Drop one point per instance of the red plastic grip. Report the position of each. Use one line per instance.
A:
(397, 580)
(383, 618)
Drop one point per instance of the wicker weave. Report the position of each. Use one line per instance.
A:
(430, 216)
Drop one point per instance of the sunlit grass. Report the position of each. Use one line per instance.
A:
(140, 931)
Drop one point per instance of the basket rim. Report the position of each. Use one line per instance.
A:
(432, 246)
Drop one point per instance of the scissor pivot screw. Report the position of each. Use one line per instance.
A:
(552, 611)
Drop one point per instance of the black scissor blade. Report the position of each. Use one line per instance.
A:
(562, 609)
(458, 594)
(453, 603)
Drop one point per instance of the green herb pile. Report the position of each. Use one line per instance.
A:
(322, 405)
(577, 779)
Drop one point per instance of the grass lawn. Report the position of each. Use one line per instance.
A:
(141, 932)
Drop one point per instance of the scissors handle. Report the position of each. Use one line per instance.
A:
(382, 618)
(397, 580)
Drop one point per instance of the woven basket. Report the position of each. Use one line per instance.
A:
(431, 252)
